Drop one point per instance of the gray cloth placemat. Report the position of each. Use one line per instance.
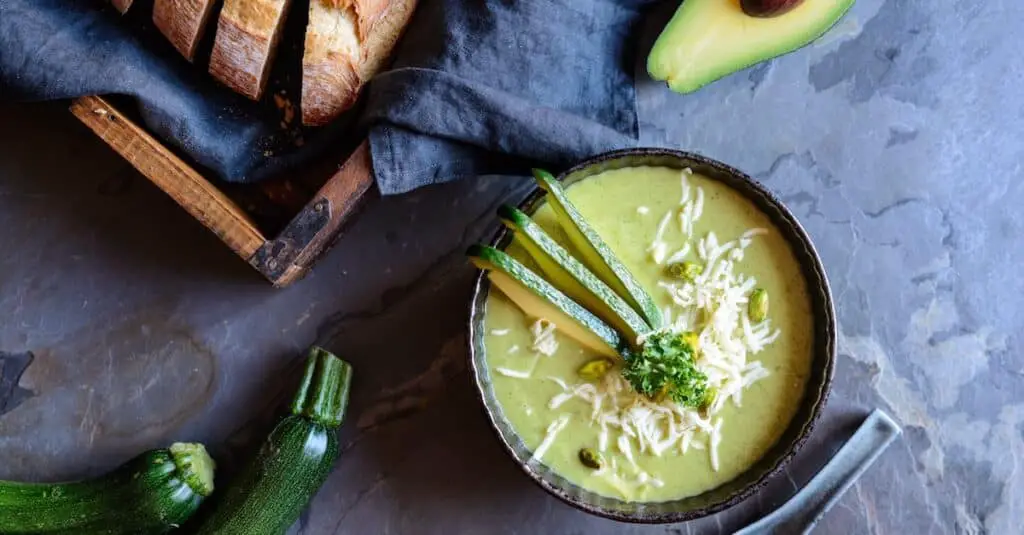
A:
(492, 87)
(477, 87)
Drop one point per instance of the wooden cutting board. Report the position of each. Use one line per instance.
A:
(283, 257)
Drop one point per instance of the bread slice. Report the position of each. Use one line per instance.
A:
(347, 42)
(247, 35)
(182, 22)
(122, 5)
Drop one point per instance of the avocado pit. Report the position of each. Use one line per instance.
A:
(768, 8)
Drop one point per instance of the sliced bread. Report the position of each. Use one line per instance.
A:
(243, 49)
(182, 22)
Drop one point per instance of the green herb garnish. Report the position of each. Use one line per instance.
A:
(666, 367)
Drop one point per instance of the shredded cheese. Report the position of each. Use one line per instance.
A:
(559, 400)
(716, 439)
(544, 341)
(754, 232)
(686, 219)
(691, 205)
(684, 444)
(516, 374)
(698, 205)
(713, 306)
(559, 381)
(658, 248)
(679, 255)
(685, 186)
(550, 434)
(627, 450)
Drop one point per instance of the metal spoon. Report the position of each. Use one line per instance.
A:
(803, 511)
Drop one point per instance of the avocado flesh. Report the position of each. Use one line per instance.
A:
(570, 276)
(709, 39)
(595, 254)
(539, 299)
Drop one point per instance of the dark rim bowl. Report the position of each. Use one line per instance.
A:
(818, 383)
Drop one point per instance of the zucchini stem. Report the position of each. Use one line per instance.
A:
(323, 395)
(194, 465)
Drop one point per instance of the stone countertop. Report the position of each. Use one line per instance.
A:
(896, 140)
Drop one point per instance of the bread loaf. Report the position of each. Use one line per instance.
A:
(347, 42)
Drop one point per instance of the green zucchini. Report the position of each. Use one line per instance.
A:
(152, 493)
(537, 298)
(273, 489)
(595, 254)
(570, 276)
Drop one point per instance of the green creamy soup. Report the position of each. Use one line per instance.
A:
(626, 208)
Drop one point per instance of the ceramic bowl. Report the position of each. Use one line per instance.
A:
(800, 428)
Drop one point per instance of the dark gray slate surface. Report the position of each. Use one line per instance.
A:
(896, 140)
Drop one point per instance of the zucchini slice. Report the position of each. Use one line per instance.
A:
(539, 299)
(570, 276)
(595, 254)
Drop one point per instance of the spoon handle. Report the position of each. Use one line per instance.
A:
(809, 505)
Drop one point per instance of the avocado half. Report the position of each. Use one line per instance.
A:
(709, 39)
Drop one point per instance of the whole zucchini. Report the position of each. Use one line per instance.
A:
(152, 493)
(273, 489)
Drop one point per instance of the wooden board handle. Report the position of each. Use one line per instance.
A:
(193, 192)
(283, 259)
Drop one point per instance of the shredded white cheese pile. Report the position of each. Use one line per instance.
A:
(713, 305)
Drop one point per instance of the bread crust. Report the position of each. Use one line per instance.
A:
(347, 42)
(247, 36)
(122, 5)
(182, 22)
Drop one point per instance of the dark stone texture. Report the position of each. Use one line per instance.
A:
(906, 172)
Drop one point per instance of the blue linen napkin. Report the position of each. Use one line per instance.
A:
(477, 86)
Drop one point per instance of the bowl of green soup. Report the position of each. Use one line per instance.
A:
(652, 335)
